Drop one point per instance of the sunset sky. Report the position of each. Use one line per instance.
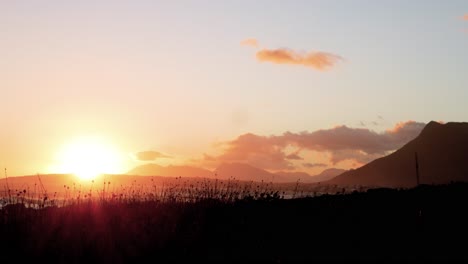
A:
(281, 85)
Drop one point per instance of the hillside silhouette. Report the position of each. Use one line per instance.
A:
(326, 175)
(442, 151)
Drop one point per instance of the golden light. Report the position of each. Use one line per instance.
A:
(89, 157)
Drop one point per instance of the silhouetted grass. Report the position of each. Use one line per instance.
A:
(180, 190)
(233, 221)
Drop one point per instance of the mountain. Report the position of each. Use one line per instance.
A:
(442, 151)
(245, 172)
(326, 175)
(170, 171)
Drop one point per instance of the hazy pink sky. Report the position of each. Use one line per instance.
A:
(173, 77)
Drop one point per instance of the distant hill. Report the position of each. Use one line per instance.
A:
(239, 171)
(170, 171)
(442, 151)
(293, 176)
(245, 172)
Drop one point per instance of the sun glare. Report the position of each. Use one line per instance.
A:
(89, 157)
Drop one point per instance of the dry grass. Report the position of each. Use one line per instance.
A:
(159, 189)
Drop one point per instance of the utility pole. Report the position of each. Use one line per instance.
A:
(417, 168)
(6, 179)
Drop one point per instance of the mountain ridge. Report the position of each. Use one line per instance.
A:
(442, 151)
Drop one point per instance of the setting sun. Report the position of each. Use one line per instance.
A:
(89, 157)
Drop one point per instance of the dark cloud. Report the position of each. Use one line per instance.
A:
(342, 143)
(360, 139)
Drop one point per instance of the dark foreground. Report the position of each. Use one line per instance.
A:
(426, 223)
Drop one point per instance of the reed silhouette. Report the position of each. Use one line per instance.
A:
(219, 223)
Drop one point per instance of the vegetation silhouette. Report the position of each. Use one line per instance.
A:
(424, 223)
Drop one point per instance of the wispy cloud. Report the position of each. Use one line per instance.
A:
(149, 155)
(313, 165)
(317, 60)
(250, 42)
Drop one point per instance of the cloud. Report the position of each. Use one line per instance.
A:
(356, 143)
(149, 155)
(317, 60)
(341, 143)
(313, 165)
(465, 17)
(294, 156)
(250, 42)
(357, 156)
(259, 151)
(403, 132)
(207, 157)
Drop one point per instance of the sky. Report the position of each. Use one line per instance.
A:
(281, 85)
